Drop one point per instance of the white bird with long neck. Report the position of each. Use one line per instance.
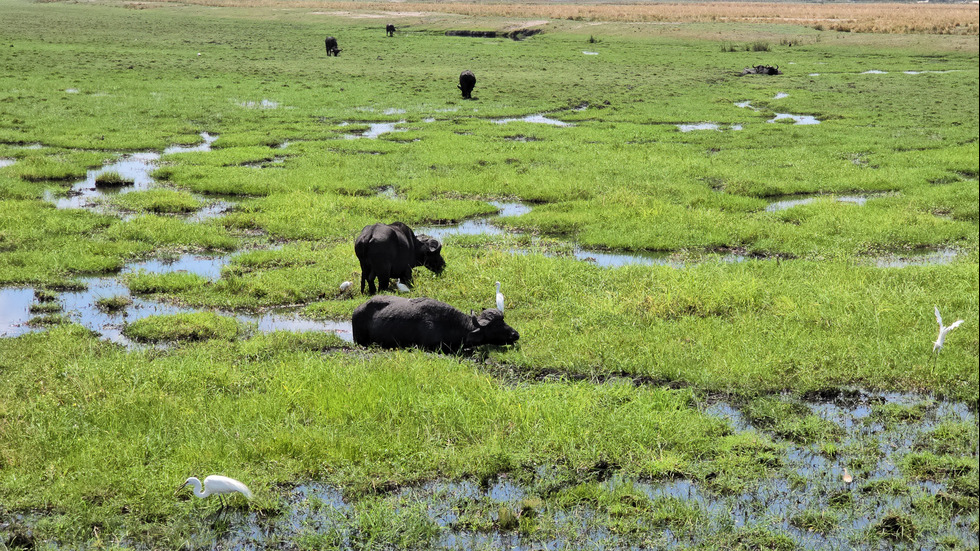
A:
(217, 485)
(401, 287)
(943, 330)
(500, 299)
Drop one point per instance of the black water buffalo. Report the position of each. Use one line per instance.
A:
(762, 70)
(390, 29)
(396, 322)
(467, 80)
(392, 250)
(331, 44)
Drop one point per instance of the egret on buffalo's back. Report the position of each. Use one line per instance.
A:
(943, 330)
(500, 299)
(217, 485)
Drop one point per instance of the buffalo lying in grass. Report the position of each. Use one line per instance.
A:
(388, 251)
(762, 70)
(396, 322)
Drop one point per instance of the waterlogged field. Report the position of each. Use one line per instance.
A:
(725, 285)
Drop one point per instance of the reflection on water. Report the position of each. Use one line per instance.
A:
(134, 169)
(801, 480)
(784, 204)
(537, 119)
(203, 146)
(6, 162)
(707, 126)
(81, 306)
(375, 129)
(797, 119)
(921, 258)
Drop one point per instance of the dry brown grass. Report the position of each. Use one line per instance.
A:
(962, 19)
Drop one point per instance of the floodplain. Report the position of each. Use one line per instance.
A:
(724, 284)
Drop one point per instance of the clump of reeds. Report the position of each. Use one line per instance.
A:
(112, 179)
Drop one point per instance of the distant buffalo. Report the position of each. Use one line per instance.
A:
(396, 322)
(467, 80)
(762, 70)
(388, 251)
(390, 29)
(332, 48)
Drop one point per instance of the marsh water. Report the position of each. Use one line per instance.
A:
(806, 479)
(16, 304)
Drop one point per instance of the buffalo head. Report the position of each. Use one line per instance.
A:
(490, 328)
(428, 252)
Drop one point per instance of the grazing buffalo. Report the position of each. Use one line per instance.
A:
(390, 29)
(467, 80)
(396, 322)
(388, 251)
(332, 48)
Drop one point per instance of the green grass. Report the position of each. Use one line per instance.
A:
(613, 365)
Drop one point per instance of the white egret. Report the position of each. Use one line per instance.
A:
(943, 330)
(401, 287)
(500, 298)
(217, 485)
(345, 285)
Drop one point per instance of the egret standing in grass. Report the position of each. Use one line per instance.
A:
(943, 330)
(345, 285)
(500, 299)
(402, 288)
(217, 485)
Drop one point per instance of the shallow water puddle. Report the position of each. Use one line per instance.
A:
(6, 162)
(264, 104)
(536, 119)
(707, 126)
(205, 145)
(859, 200)
(920, 258)
(798, 119)
(81, 306)
(375, 129)
(804, 481)
(134, 169)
